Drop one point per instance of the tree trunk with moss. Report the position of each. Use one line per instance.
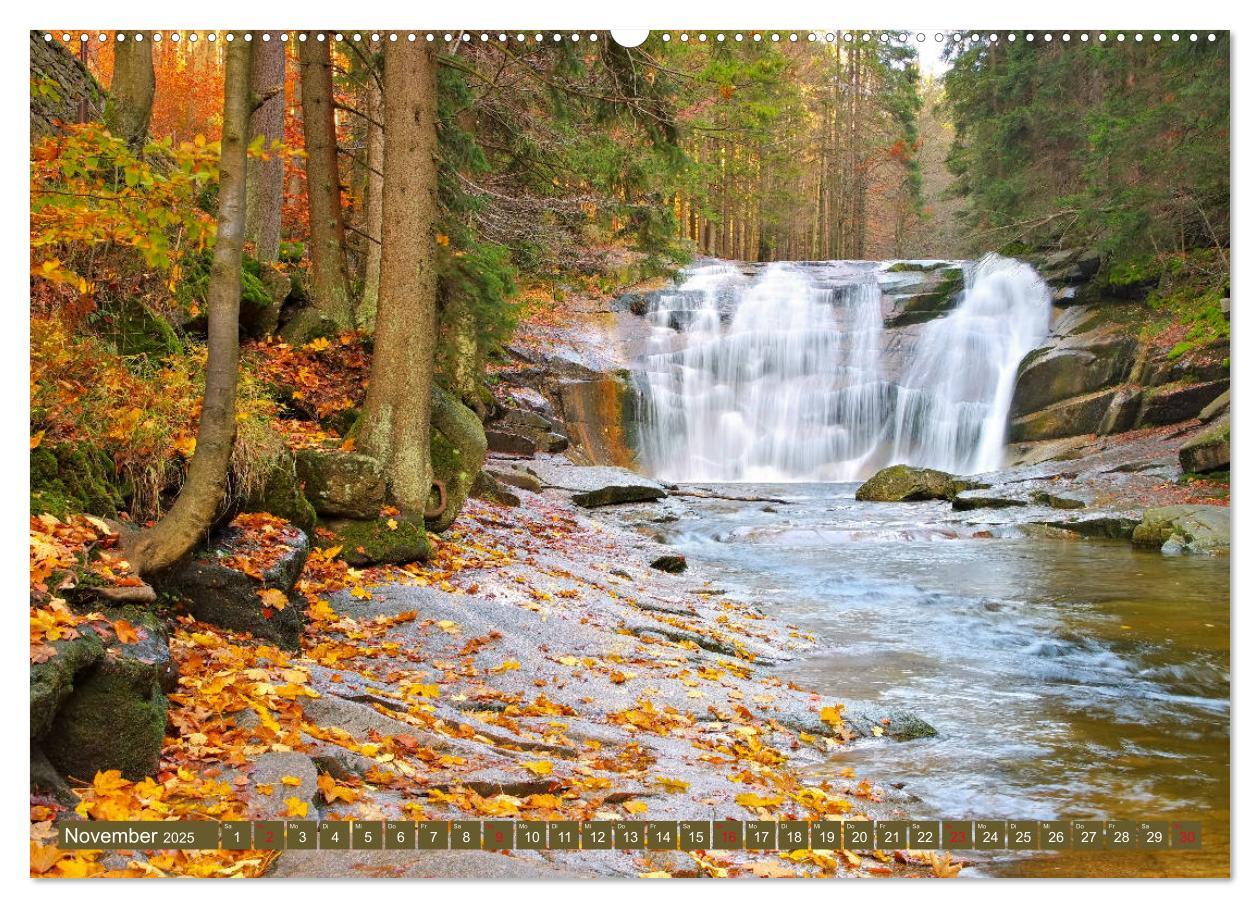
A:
(463, 360)
(330, 284)
(266, 177)
(201, 497)
(396, 416)
(131, 89)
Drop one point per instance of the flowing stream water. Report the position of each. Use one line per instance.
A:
(1067, 679)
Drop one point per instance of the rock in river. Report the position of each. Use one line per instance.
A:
(974, 501)
(1199, 529)
(904, 483)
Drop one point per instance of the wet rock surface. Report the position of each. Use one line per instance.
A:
(905, 483)
(1185, 529)
(593, 487)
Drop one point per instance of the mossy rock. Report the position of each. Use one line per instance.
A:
(281, 495)
(261, 300)
(115, 717)
(457, 448)
(134, 328)
(1207, 452)
(368, 542)
(75, 479)
(906, 483)
(256, 297)
(306, 325)
(342, 483)
(1201, 529)
(53, 679)
(934, 300)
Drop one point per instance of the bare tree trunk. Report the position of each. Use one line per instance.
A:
(372, 213)
(179, 531)
(131, 91)
(330, 284)
(397, 411)
(265, 193)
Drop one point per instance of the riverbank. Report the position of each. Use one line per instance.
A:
(538, 668)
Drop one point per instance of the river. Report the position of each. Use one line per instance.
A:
(1067, 679)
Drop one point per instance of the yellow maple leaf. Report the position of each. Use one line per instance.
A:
(538, 767)
(635, 807)
(296, 807)
(275, 599)
(291, 781)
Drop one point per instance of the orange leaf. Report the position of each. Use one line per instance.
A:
(274, 598)
(126, 631)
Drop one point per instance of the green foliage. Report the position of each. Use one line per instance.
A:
(1119, 145)
(481, 281)
(76, 478)
(91, 192)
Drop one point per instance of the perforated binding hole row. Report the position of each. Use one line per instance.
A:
(540, 38)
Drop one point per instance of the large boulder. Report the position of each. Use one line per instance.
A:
(1201, 529)
(501, 442)
(53, 679)
(1066, 266)
(457, 450)
(983, 500)
(115, 715)
(1208, 451)
(342, 483)
(382, 540)
(1176, 402)
(244, 582)
(1076, 365)
(593, 487)
(1082, 415)
(905, 483)
(307, 324)
(281, 495)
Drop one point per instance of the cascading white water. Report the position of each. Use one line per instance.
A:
(781, 378)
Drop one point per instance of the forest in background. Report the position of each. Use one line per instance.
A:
(557, 164)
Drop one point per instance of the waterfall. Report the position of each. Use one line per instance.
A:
(791, 375)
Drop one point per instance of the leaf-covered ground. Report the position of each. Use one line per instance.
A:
(537, 669)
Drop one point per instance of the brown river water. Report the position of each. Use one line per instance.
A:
(1068, 679)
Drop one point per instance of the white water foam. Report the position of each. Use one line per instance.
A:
(780, 378)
